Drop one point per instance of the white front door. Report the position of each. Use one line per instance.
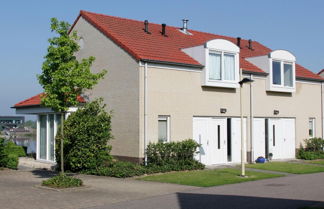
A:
(211, 133)
(282, 138)
(259, 145)
(236, 138)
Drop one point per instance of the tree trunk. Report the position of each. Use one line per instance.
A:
(62, 136)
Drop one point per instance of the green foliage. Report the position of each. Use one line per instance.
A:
(314, 144)
(171, 153)
(2, 152)
(62, 181)
(11, 161)
(122, 169)
(87, 132)
(9, 154)
(64, 77)
(12, 148)
(119, 169)
(313, 150)
(162, 157)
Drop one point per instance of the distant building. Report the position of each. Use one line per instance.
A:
(11, 121)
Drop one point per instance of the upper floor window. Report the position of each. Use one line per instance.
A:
(282, 73)
(221, 66)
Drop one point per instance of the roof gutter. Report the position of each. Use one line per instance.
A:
(309, 79)
(172, 63)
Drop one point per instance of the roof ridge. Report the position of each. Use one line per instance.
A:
(172, 26)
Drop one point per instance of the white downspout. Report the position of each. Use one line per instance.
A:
(322, 110)
(251, 119)
(145, 112)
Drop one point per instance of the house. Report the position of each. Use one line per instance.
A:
(11, 121)
(168, 83)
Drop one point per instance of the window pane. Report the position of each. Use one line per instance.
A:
(288, 75)
(42, 137)
(311, 127)
(229, 67)
(51, 137)
(163, 130)
(214, 66)
(276, 73)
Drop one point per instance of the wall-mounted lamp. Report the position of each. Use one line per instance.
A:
(276, 112)
(223, 110)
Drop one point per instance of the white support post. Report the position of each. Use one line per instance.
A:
(38, 138)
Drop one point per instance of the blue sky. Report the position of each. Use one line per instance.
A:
(294, 25)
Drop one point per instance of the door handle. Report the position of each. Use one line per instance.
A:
(207, 142)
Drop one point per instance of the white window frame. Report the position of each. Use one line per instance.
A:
(313, 127)
(219, 46)
(282, 73)
(167, 119)
(47, 137)
(222, 73)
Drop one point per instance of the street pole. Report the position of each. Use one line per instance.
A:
(242, 132)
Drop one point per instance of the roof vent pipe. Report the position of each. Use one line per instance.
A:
(238, 42)
(146, 29)
(163, 29)
(250, 44)
(185, 25)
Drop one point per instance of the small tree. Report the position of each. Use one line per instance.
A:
(86, 136)
(64, 77)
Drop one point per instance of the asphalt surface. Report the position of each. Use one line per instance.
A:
(293, 191)
(20, 189)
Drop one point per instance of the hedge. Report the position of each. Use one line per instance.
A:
(314, 149)
(10, 153)
(162, 157)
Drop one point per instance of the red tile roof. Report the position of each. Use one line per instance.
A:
(36, 101)
(130, 36)
(320, 72)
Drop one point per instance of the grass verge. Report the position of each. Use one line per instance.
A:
(319, 162)
(295, 168)
(62, 181)
(207, 178)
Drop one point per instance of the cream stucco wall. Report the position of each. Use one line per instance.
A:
(119, 88)
(179, 93)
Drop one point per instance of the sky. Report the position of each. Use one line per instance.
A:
(293, 25)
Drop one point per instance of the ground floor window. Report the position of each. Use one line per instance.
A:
(48, 125)
(164, 128)
(311, 129)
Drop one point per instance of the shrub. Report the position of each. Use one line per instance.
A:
(9, 154)
(11, 161)
(119, 169)
(62, 181)
(87, 132)
(314, 144)
(306, 155)
(122, 169)
(12, 148)
(2, 153)
(161, 154)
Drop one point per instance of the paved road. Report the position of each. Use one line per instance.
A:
(286, 192)
(19, 189)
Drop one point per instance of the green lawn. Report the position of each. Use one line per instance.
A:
(207, 178)
(295, 168)
(320, 162)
